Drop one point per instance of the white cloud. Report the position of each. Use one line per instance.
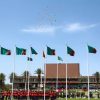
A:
(51, 30)
(78, 27)
(40, 29)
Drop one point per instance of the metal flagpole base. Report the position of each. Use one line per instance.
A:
(12, 98)
(28, 98)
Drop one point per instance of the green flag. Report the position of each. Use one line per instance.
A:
(20, 51)
(70, 51)
(91, 49)
(33, 51)
(59, 58)
(5, 51)
(29, 59)
(50, 51)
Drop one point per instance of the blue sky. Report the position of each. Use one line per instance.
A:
(55, 23)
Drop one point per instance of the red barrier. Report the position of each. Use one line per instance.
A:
(31, 93)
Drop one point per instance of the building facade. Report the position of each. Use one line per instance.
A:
(56, 78)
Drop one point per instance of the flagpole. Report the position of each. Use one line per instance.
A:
(57, 79)
(28, 98)
(26, 76)
(26, 69)
(13, 75)
(44, 78)
(27, 81)
(66, 78)
(41, 79)
(28, 87)
(88, 76)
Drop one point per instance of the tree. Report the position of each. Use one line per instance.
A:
(2, 76)
(2, 81)
(26, 75)
(97, 77)
(13, 74)
(39, 72)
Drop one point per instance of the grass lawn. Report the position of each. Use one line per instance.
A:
(77, 99)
